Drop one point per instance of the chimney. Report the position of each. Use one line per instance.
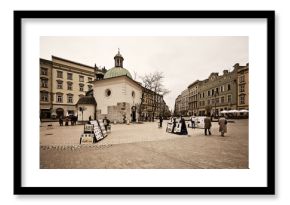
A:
(225, 72)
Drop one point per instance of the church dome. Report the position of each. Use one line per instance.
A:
(117, 71)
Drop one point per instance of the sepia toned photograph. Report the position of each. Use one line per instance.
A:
(144, 102)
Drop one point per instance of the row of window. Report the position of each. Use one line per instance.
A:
(59, 98)
(44, 96)
(216, 91)
(59, 74)
(202, 103)
(216, 100)
(70, 86)
(70, 76)
(212, 92)
(44, 84)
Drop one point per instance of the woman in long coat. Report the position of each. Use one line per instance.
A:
(223, 125)
(207, 125)
(183, 127)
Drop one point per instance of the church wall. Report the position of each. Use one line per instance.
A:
(124, 94)
(103, 101)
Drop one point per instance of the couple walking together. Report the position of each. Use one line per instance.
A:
(222, 125)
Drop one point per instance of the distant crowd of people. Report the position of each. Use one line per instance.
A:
(72, 119)
(222, 122)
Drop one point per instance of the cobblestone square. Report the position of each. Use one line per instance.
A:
(142, 146)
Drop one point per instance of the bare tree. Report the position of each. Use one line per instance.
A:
(154, 82)
(135, 75)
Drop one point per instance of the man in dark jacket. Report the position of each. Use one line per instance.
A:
(160, 121)
(207, 125)
(106, 123)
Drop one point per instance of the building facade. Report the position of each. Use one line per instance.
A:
(62, 83)
(184, 102)
(243, 87)
(177, 106)
(152, 105)
(218, 93)
(228, 91)
(193, 98)
(45, 88)
(120, 97)
(66, 86)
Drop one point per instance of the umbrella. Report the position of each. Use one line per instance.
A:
(224, 111)
(233, 111)
(243, 110)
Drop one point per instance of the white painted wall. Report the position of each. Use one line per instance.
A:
(121, 91)
(89, 111)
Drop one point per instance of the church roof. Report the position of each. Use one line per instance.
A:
(117, 71)
(87, 100)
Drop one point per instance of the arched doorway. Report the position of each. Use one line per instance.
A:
(59, 112)
(133, 109)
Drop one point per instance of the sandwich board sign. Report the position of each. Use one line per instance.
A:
(97, 130)
(102, 126)
(87, 138)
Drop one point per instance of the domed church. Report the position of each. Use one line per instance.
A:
(118, 96)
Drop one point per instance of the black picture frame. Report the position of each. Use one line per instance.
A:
(267, 190)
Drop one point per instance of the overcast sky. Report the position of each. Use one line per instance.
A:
(181, 59)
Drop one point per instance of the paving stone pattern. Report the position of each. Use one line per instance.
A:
(145, 146)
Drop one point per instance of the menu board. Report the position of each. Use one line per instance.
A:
(103, 128)
(177, 129)
(97, 130)
(89, 128)
(169, 127)
(87, 139)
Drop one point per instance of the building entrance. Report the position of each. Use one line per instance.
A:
(59, 112)
(133, 113)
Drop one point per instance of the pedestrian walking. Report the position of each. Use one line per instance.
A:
(174, 125)
(207, 125)
(71, 118)
(160, 121)
(124, 118)
(60, 121)
(74, 119)
(223, 125)
(192, 119)
(90, 118)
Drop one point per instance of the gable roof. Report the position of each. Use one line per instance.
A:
(87, 100)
